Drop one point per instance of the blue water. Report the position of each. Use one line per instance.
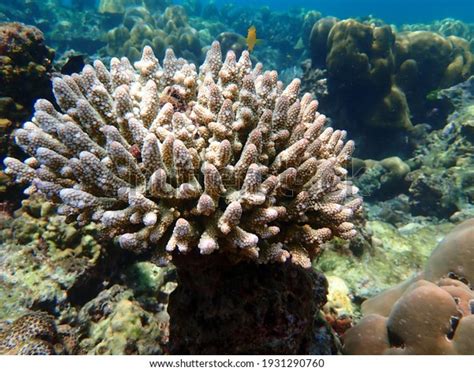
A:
(392, 11)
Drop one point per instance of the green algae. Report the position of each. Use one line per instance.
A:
(397, 254)
(116, 323)
(146, 278)
(40, 261)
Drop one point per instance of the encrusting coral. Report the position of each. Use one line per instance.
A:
(47, 264)
(115, 322)
(224, 158)
(33, 333)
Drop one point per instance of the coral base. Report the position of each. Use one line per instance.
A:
(220, 307)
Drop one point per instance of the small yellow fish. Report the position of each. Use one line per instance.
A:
(252, 38)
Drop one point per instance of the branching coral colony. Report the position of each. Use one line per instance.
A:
(224, 158)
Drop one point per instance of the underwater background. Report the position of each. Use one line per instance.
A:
(393, 11)
(344, 219)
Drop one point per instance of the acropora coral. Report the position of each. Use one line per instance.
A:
(224, 158)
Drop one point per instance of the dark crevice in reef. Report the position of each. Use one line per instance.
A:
(221, 307)
(105, 273)
(11, 200)
(394, 339)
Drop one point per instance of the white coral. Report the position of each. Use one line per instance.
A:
(168, 157)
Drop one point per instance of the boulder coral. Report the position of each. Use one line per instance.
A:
(431, 313)
(445, 27)
(426, 61)
(454, 256)
(169, 29)
(25, 61)
(428, 319)
(114, 6)
(360, 57)
(232, 41)
(396, 71)
(318, 40)
(120, 6)
(381, 179)
(171, 160)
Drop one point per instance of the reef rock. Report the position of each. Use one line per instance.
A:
(116, 323)
(45, 263)
(220, 307)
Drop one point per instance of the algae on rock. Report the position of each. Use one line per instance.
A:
(42, 259)
(397, 254)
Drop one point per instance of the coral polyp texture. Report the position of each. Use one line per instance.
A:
(31, 334)
(431, 313)
(223, 157)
